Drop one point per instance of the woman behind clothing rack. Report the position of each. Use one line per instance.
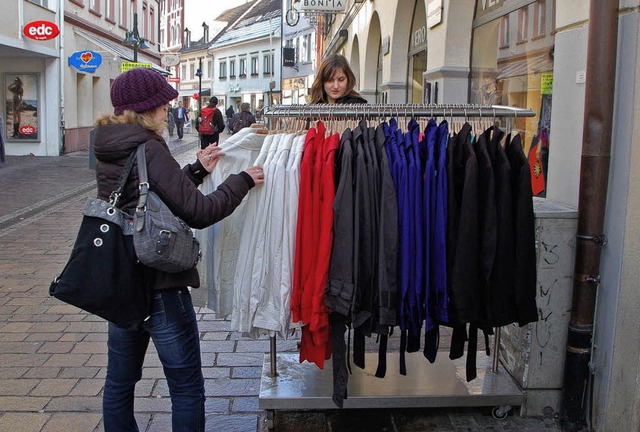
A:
(335, 83)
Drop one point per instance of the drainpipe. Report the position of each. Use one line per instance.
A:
(594, 176)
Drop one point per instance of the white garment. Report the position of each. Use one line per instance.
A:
(256, 208)
(219, 243)
(265, 285)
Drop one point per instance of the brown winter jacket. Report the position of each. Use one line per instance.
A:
(176, 187)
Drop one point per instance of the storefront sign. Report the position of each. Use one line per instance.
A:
(434, 13)
(322, 5)
(41, 30)
(288, 57)
(125, 66)
(170, 60)
(546, 83)
(85, 61)
(174, 79)
(419, 39)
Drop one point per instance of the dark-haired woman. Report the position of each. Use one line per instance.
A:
(335, 83)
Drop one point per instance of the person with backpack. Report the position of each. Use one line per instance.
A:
(242, 119)
(210, 123)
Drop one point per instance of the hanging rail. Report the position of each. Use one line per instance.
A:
(395, 110)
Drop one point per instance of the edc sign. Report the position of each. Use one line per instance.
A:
(41, 30)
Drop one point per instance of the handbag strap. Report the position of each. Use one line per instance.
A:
(143, 186)
(114, 196)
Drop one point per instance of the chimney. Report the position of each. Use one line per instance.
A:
(187, 37)
(205, 28)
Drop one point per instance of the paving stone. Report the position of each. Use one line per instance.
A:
(95, 360)
(72, 422)
(240, 359)
(56, 347)
(153, 404)
(231, 423)
(216, 405)
(217, 372)
(217, 346)
(28, 360)
(159, 423)
(43, 337)
(246, 372)
(144, 387)
(245, 404)
(22, 403)
(23, 422)
(232, 387)
(87, 387)
(89, 348)
(13, 372)
(261, 346)
(67, 360)
(79, 372)
(18, 387)
(54, 387)
(21, 347)
(216, 336)
(75, 404)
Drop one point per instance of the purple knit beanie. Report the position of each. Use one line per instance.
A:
(140, 89)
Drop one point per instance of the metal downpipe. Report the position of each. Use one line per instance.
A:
(594, 176)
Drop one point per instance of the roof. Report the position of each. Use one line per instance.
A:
(262, 20)
(229, 16)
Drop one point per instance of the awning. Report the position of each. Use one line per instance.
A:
(530, 65)
(119, 50)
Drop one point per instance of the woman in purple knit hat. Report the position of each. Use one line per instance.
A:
(140, 98)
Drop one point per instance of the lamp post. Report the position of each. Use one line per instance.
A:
(199, 75)
(133, 39)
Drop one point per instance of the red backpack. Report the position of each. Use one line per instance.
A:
(207, 126)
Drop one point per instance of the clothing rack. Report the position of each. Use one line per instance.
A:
(303, 386)
(354, 111)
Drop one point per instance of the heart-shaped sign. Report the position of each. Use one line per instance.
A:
(86, 57)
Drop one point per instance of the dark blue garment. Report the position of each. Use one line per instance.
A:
(429, 208)
(174, 331)
(438, 265)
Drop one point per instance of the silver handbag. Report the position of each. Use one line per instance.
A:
(162, 240)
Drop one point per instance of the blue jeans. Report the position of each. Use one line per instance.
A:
(174, 331)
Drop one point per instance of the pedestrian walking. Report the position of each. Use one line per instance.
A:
(210, 123)
(171, 121)
(140, 99)
(229, 112)
(242, 119)
(181, 116)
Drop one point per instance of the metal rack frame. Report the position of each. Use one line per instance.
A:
(304, 387)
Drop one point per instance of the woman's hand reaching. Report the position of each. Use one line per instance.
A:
(256, 173)
(210, 156)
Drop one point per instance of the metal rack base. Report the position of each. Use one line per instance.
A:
(442, 384)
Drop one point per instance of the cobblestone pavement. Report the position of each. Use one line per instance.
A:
(53, 356)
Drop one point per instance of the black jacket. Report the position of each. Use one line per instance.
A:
(176, 187)
(351, 99)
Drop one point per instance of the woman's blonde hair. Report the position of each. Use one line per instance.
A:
(325, 72)
(144, 119)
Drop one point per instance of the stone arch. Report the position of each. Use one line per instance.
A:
(354, 60)
(371, 54)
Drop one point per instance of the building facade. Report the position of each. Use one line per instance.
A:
(103, 28)
(31, 71)
(528, 54)
(247, 58)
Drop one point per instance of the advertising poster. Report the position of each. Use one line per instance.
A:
(21, 107)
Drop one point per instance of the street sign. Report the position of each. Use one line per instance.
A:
(170, 60)
(322, 5)
(125, 66)
(85, 61)
(174, 79)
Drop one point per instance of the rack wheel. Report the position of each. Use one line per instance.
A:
(501, 412)
(270, 417)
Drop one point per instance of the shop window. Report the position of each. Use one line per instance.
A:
(520, 76)
(192, 71)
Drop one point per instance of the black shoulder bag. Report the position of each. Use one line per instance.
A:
(103, 275)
